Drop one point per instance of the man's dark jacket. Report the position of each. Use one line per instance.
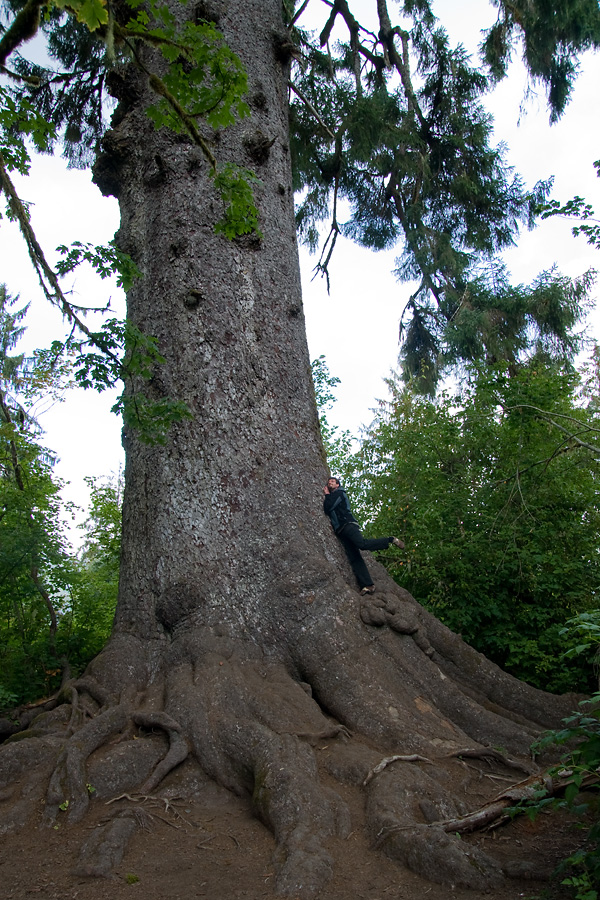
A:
(337, 507)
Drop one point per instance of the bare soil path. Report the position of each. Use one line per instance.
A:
(198, 840)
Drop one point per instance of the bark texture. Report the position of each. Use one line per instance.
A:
(240, 639)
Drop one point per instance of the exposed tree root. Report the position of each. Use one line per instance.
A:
(163, 802)
(95, 690)
(490, 753)
(178, 746)
(397, 799)
(67, 788)
(254, 722)
(106, 846)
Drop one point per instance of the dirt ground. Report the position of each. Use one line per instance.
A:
(198, 840)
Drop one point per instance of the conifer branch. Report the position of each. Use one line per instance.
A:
(46, 275)
(31, 80)
(311, 109)
(400, 63)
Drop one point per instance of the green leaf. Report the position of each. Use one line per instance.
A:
(106, 260)
(19, 120)
(93, 13)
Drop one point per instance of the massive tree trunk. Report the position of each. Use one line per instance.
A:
(239, 630)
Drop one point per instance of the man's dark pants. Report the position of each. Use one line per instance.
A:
(353, 542)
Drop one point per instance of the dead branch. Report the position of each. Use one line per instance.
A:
(311, 109)
(414, 757)
(495, 810)
(490, 753)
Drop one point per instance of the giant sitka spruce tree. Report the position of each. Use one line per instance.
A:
(239, 636)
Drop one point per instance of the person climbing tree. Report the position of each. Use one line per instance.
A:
(337, 506)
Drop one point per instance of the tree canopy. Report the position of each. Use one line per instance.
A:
(387, 118)
(405, 141)
(551, 38)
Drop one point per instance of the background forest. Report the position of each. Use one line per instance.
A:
(493, 484)
(56, 605)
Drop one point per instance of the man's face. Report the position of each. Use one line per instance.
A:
(332, 484)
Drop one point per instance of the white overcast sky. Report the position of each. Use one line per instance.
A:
(356, 325)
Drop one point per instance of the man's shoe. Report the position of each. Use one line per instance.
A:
(370, 589)
(398, 543)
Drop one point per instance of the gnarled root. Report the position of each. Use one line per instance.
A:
(25, 766)
(284, 769)
(404, 803)
(252, 711)
(67, 788)
(178, 746)
(106, 846)
(383, 709)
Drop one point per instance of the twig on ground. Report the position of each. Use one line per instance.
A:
(490, 753)
(414, 757)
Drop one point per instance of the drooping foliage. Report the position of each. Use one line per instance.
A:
(551, 37)
(386, 116)
(494, 489)
(401, 158)
(498, 321)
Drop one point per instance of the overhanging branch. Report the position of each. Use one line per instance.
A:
(46, 275)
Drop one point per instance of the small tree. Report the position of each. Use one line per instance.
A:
(89, 609)
(33, 555)
(337, 444)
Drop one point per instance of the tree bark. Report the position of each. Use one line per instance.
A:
(239, 632)
(213, 518)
